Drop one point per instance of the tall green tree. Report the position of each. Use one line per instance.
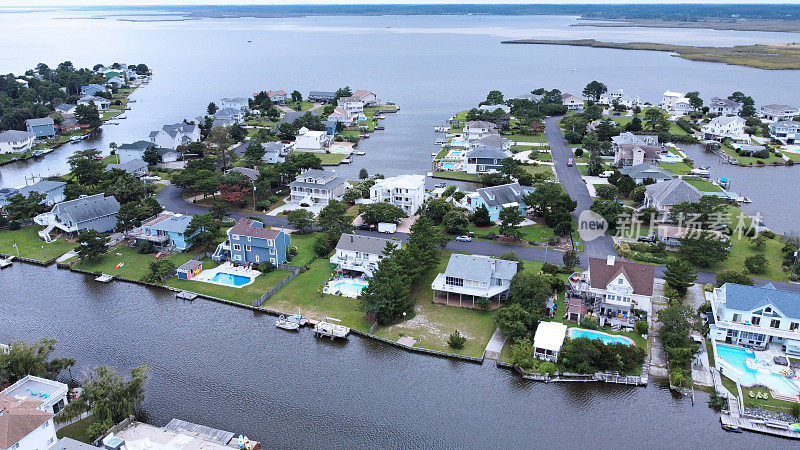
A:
(300, 219)
(87, 168)
(333, 220)
(23, 359)
(481, 216)
(91, 245)
(704, 249)
(680, 275)
(212, 109)
(388, 294)
(510, 218)
(203, 231)
(594, 90)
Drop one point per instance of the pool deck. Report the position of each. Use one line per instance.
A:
(228, 268)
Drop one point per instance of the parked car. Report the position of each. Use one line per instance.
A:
(570, 162)
(648, 238)
(607, 174)
(464, 238)
(366, 227)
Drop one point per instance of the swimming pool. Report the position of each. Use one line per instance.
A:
(230, 279)
(670, 158)
(346, 287)
(448, 166)
(575, 333)
(454, 154)
(736, 359)
(458, 143)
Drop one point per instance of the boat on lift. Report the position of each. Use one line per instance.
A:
(287, 323)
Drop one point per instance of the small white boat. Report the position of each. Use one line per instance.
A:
(331, 328)
(744, 200)
(701, 171)
(37, 153)
(79, 137)
(287, 323)
(361, 153)
(434, 154)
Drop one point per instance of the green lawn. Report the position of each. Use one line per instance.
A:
(540, 137)
(792, 155)
(329, 159)
(745, 160)
(703, 185)
(77, 430)
(305, 248)
(742, 248)
(535, 233)
(673, 128)
(30, 245)
(245, 294)
(677, 168)
(542, 168)
(462, 176)
(135, 264)
(770, 403)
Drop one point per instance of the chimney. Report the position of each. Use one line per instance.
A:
(610, 260)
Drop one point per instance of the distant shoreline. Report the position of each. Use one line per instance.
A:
(759, 56)
(780, 26)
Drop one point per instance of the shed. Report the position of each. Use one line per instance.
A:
(548, 339)
(189, 269)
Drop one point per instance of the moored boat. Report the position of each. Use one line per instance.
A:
(287, 323)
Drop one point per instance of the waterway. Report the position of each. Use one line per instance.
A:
(230, 368)
(432, 66)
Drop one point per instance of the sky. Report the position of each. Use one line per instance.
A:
(30, 3)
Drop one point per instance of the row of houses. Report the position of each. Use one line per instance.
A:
(479, 149)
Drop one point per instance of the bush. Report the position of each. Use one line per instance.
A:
(14, 225)
(641, 327)
(563, 228)
(484, 304)
(266, 267)
(456, 340)
(590, 322)
(578, 152)
(321, 245)
(145, 247)
(552, 269)
(263, 205)
(607, 191)
(768, 234)
(756, 264)
(546, 367)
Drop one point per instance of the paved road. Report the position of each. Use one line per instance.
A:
(170, 198)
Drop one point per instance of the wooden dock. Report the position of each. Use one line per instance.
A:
(777, 429)
(200, 431)
(104, 278)
(186, 295)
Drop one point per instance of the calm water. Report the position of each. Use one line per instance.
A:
(231, 368)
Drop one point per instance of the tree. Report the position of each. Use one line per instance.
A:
(212, 109)
(436, 209)
(203, 231)
(334, 221)
(421, 252)
(300, 219)
(595, 165)
(656, 119)
(387, 295)
(297, 97)
(237, 132)
(704, 249)
(634, 125)
(637, 194)
(234, 186)
(254, 154)
(481, 216)
(22, 360)
(20, 207)
(455, 222)
(571, 259)
(363, 174)
(680, 275)
(510, 218)
(609, 210)
(756, 264)
(594, 90)
(456, 340)
(531, 291)
(158, 270)
(91, 245)
(607, 191)
(376, 213)
(151, 156)
(694, 100)
(733, 276)
(86, 167)
(88, 115)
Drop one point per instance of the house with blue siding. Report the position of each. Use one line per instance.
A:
(485, 159)
(250, 242)
(496, 198)
(167, 231)
(43, 128)
(91, 89)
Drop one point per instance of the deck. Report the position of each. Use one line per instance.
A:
(200, 431)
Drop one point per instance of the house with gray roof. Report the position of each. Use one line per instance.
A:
(135, 167)
(100, 103)
(166, 230)
(239, 103)
(91, 90)
(43, 128)
(476, 129)
(777, 113)
(66, 109)
(171, 136)
(230, 115)
(53, 192)
(16, 142)
(496, 198)
(635, 154)
(252, 174)
(469, 278)
(483, 159)
(756, 316)
(637, 139)
(94, 212)
(321, 96)
(663, 196)
(291, 116)
(135, 150)
(493, 140)
(724, 106)
(315, 186)
(641, 172)
(275, 152)
(786, 131)
(361, 254)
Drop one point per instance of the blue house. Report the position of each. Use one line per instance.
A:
(496, 198)
(250, 242)
(91, 89)
(43, 128)
(167, 230)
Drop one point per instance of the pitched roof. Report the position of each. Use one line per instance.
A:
(481, 151)
(747, 298)
(138, 145)
(15, 135)
(724, 102)
(63, 107)
(360, 93)
(724, 120)
(480, 124)
(503, 194)
(250, 227)
(778, 108)
(639, 139)
(640, 276)
(650, 151)
(550, 336)
(645, 170)
(492, 140)
(189, 265)
(174, 129)
(43, 187)
(88, 208)
(39, 122)
(480, 268)
(132, 166)
(246, 171)
(168, 221)
(322, 94)
(19, 419)
(228, 112)
(359, 243)
(274, 93)
(71, 444)
(673, 192)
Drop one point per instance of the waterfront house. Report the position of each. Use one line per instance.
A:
(628, 101)
(671, 235)
(571, 102)
(636, 139)
(471, 277)
(66, 110)
(778, 113)
(404, 191)
(726, 127)
(321, 96)
(476, 129)
(292, 116)
(171, 136)
(313, 140)
(352, 105)
(239, 103)
(99, 102)
(495, 198)
(756, 316)
(724, 106)
(94, 212)
(166, 230)
(493, 140)
(482, 159)
(91, 90)
(16, 142)
(53, 191)
(52, 394)
(641, 172)
(116, 82)
(341, 115)
(250, 242)
(548, 340)
(135, 167)
(367, 98)
(619, 286)
(663, 196)
(331, 126)
(23, 425)
(492, 108)
(675, 103)
(43, 128)
(189, 269)
(275, 152)
(278, 96)
(361, 254)
(785, 131)
(634, 154)
(230, 115)
(135, 151)
(315, 186)
(175, 435)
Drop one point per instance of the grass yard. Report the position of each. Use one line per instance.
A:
(30, 245)
(244, 294)
(542, 168)
(703, 185)
(535, 233)
(746, 160)
(769, 403)
(677, 168)
(742, 248)
(329, 159)
(539, 137)
(305, 248)
(673, 127)
(135, 266)
(792, 155)
(77, 430)
(462, 176)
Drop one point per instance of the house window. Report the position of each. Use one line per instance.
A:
(793, 326)
(247, 247)
(237, 258)
(235, 237)
(249, 239)
(775, 323)
(756, 320)
(272, 260)
(258, 259)
(452, 281)
(237, 247)
(44, 425)
(737, 318)
(619, 281)
(50, 441)
(14, 447)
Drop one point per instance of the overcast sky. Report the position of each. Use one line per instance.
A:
(29, 3)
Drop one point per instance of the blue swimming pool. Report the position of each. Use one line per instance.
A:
(454, 154)
(736, 358)
(348, 288)
(229, 279)
(448, 166)
(606, 338)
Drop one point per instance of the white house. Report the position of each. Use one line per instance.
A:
(278, 96)
(404, 191)
(171, 136)
(471, 277)
(726, 127)
(16, 142)
(352, 105)
(724, 106)
(24, 425)
(239, 103)
(314, 186)
(634, 154)
(52, 394)
(230, 115)
(357, 253)
(312, 140)
(619, 286)
(93, 212)
(548, 340)
(135, 151)
(675, 103)
(476, 129)
(275, 152)
(571, 102)
(100, 102)
(117, 82)
(340, 114)
(621, 98)
(368, 98)
(777, 113)
(786, 131)
(492, 108)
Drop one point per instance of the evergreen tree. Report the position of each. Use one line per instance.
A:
(680, 275)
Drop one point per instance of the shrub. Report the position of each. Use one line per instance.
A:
(14, 225)
(607, 191)
(263, 205)
(641, 327)
(484, 304)
(759, 243)
(563, 228)
(321, 245)
(578, 152)
(145, 247)
(456, 340)
(266, 267)
(756, 264)
(590, 322)
(552, 269)
(768, 234)
(546, 367)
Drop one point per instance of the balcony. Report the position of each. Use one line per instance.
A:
(776, 332)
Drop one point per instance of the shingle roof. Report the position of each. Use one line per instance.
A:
(189, 265)
(481, 151)
(359, 243)
(88, 208)
(503, 194)
(39, 122)
(132, 166)
(645, 170)
(244, 228)
(19, 418)
(138, 145)
(640, 276)
(778, 108)
(322, 94)
(480, 124)
(43, 187)
(724, 102)
(650, 151)
(294, 115)
(492, 140)
(673, 192)
(253, 174)
(15, 135)
(747, 298)
(639, 139)
(64, 107)
(71, 444)
(166, 221)
(480, 268)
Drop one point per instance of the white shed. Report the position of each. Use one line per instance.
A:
(548, 339)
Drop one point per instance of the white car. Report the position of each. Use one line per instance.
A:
(464, 238)
(607, 174)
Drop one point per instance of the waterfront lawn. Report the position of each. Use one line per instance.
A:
(742, 248)
(673, 127)
(244, 294)
(746, 160)
(30, 245)
(77, 430)
(136, 264)
(795, 157)
(769, 403)
(462, 176)
(677, 168)
(303, 293)
(305, 248)
(330, 159)
(703, 185)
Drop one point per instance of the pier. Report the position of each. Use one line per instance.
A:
(186, 295)
(104, 278)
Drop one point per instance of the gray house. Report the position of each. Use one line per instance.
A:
(472, 277)
(135, 150)
(641, 172)
(95, 212)
(663, 196)
(321, 96)
(135, 167)
(315, 186)
(43, 128)
(483, 159)
(52, 190)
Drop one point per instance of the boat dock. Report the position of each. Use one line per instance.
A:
(331, 328)
(104, 278)
(186, 295)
